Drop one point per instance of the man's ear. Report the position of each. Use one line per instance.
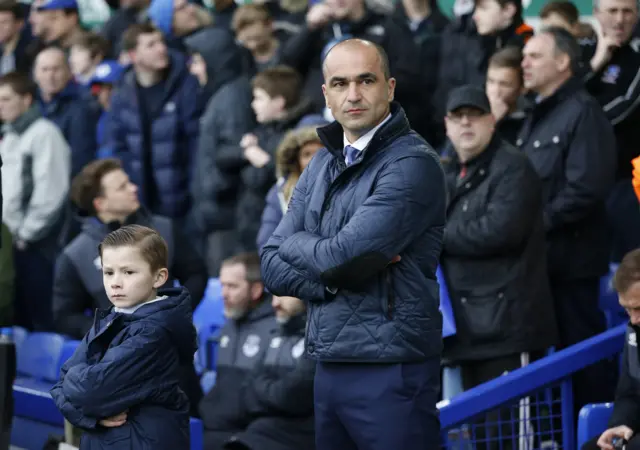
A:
(510, 10)
(257, 290)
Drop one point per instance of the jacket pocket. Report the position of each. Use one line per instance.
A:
(485, 315)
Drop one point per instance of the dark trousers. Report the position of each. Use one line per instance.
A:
(487, 434)
(377, 406)
(633, 444)
(34, 289)
(579, 318)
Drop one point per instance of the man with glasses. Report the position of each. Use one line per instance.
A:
(493, 253)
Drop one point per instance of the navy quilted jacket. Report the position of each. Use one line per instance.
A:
(131, 362)
(343, 227)
(169, 155)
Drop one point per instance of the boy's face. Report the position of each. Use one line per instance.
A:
(128, 278)
(80, 61)
(266, 108)
(256, 37)
(504, 83)
(12, 105)
(490, 17)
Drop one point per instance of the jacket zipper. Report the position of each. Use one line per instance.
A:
(390, 299)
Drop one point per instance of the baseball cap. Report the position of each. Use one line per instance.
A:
(58, 4)
(107, 72)
(468, 96)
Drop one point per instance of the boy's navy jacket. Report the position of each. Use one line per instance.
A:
(131, 362)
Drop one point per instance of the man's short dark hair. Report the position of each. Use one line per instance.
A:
(13, 7)
(565, 43)
(503, 3)
(628, 272)
(20, 83)
(251, 263)
(130, 37)
(563, 8)
(382, 54)
(87, 185)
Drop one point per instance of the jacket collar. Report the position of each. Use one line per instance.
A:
(332, 135)
(23, 122)
(564, 92)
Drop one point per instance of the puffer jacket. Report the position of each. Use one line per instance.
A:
(131, 362)
(343, 227)
(167, 160)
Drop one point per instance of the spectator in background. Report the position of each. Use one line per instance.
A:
(155, 121)
(14, 38)
(129, 13)
(278, 106)
(68, 105)
(7, 279)
(493, 255)
(504, 87)
(564, 14)
(571, 144)
(227, 118)
(107, 200)
(177, 19)
(244, 339)
(35, 181)
(105, 77)
(613, 78)
(37, 28)
(60, 21)
(88, 50)
(466, 50)
(292, 157)
(624, 422)
(222, 12)
(253, 28)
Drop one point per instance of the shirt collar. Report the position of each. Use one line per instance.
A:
(364, 140)
(133, 309)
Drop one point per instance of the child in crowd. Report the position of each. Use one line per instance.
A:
(121, 384)
(106, 75)
(88, 50)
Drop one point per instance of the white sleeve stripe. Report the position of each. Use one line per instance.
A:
(628, 95)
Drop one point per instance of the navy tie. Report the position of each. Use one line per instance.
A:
(351, 154)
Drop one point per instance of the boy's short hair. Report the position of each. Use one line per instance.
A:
(628, 272)
(251, 263)
(131, 35)
(565, 9)
(87, 185)
(280, 81)
(93, 42)
(247, 15)
(13, 7)
(152, 246)
(20, 83)
(503, 3)
(508, 58)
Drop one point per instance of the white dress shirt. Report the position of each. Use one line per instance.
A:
(362, 142)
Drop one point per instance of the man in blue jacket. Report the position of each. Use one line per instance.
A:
(360, 243)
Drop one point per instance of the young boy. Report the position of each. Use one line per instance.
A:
(121, 385)
(88, 50)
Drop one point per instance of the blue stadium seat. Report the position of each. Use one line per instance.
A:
(19, 335)
(40, 355)
(592, 421)
(208, 318)
(68, 349)
(207, 381)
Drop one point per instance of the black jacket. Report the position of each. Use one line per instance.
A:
(78, 282)
(493, 257)
(279, 394)
(571, 144)
(617, 87)
(626, 408)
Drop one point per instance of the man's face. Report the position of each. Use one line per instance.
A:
(617, 18)
(186, 17)
(38, 26)
(490, 17)
(256, 37)
(58, 24)
(469, 129)
(237, 293)
(151, 52)
(355, 88)
(556, 20)
(51, 71)
(630, 301)
(540, 65)
(504, 83)
(266, 108)
(286, 308)
(119, 195)
(128, 278)
(12, 105)
(9, 27)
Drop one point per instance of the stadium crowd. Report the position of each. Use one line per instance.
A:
(198, 120)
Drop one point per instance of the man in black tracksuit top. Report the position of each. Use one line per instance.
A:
(625, 420)
(613, 78)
